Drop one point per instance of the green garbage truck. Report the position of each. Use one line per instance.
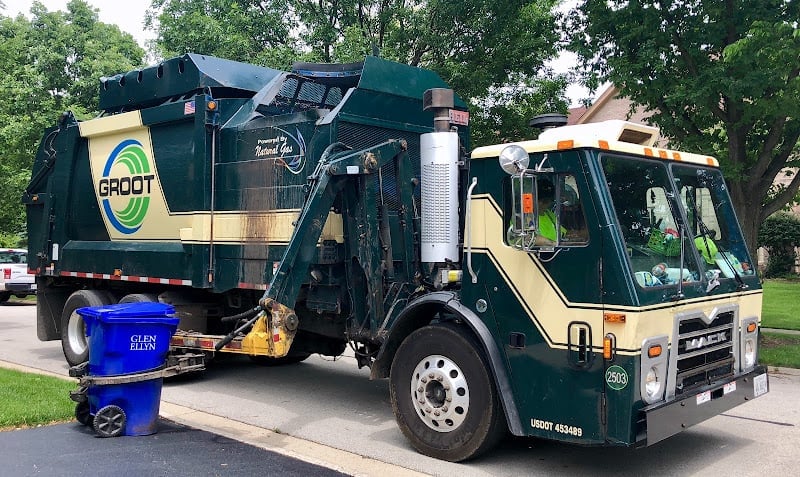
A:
(586, 286)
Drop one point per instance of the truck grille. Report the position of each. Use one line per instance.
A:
(703, 351)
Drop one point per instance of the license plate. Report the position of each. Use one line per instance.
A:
(33, 287)
(703, 397)
(760, 385)
(729, 388)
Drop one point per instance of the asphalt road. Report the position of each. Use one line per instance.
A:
(335, 404)
(73, 450)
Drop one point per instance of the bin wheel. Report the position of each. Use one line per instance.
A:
(82, 413)
(109, 421)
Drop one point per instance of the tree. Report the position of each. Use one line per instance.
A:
(49, 64)
(717, 76)
(492, 53)
(780, 234)
(254, 31)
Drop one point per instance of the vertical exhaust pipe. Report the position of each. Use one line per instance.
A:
(439, 181)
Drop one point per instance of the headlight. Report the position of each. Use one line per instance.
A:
(652, 384)
(749, 353)
(653, 370)
(748, 348)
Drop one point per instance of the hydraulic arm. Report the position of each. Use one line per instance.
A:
(274, 323)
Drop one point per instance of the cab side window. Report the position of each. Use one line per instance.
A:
(557, 219)
(571, 212)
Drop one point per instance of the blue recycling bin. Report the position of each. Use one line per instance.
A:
(126, 340)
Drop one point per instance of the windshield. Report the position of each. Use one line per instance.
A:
(12, 256)
(647, 212)
(712, 222)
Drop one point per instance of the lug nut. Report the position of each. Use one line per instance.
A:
(430, 376)
(424, 380)
(444, 409)
(420, 389)
(436, 413)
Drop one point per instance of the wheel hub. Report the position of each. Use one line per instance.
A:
(440, 393)
(77, 333)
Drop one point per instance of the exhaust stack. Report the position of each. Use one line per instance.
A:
(439, 181)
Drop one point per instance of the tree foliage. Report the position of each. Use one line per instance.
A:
(491, 52)
(717, 76)
(780, 234)
(49, 64)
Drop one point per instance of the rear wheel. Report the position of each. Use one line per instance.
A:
(443, 394)
(140, 298)
(73, 329)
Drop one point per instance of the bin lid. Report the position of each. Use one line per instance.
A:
(142, 312)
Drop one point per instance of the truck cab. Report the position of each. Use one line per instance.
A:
(639, 315)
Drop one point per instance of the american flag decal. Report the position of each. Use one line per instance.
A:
(188, 107)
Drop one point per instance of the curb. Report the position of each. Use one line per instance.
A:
(307, 451)
(781, 331)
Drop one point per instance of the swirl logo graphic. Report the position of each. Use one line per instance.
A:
(125, 186)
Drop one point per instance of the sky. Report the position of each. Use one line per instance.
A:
(129, 16)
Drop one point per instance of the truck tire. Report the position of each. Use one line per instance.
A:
(140, 298)
(443, 394)
(73, 329)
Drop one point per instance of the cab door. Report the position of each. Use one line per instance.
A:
(551, 321)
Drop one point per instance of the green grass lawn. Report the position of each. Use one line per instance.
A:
(31, 399)
(780, 350)
(781, 308)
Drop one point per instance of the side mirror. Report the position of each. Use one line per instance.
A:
(525, 218)
(514, 159)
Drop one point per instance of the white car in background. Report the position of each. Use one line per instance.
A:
(14, 277)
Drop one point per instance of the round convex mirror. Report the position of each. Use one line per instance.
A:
(514, 159)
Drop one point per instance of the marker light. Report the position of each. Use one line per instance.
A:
(608, 346)
(614, 317)
(211, 105)
(751, 327)
(566, 144)
(654, 351)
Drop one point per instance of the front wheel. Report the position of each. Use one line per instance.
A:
(443, 394)
(73, 329)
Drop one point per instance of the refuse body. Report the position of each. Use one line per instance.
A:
(120, 386)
